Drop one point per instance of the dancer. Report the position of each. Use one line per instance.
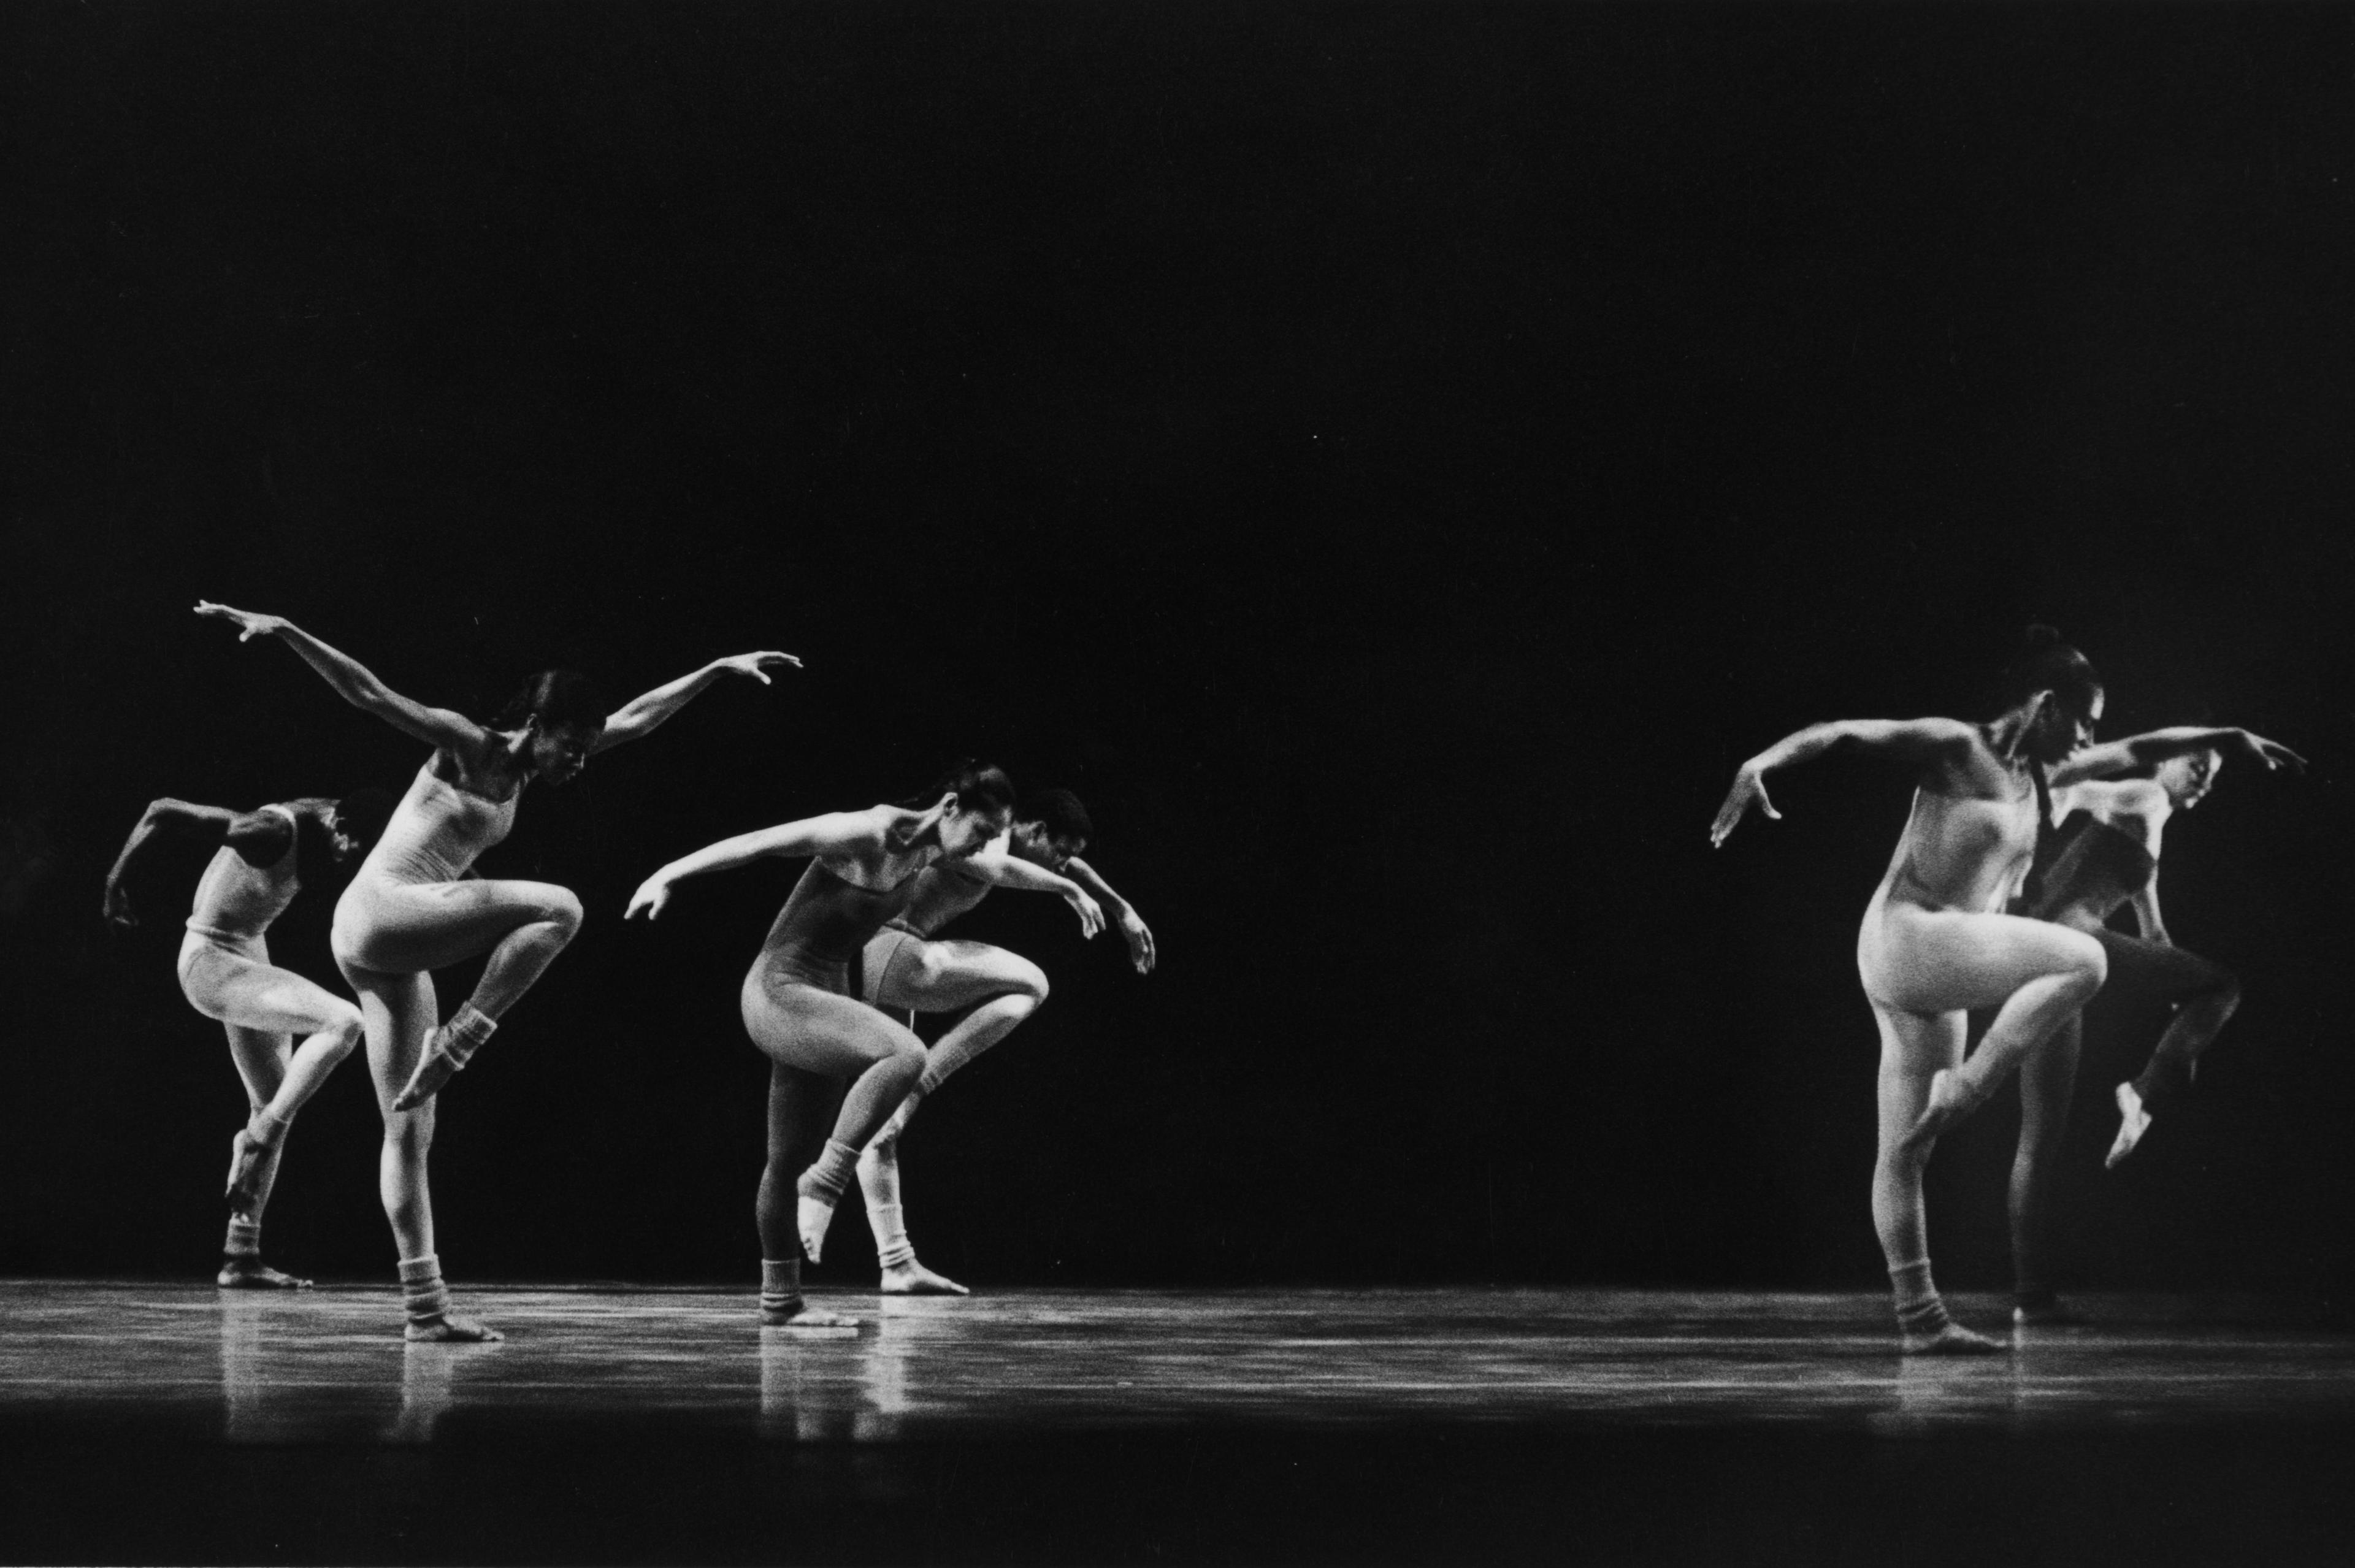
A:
(226, 974)
(802, 1010)
(2110, 859)
(905, 967)
(415, 906)
(1933, 946)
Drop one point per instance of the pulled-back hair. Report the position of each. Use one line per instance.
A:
(551, 698)
(978, 786)
(2048, 663)
(1059, 811)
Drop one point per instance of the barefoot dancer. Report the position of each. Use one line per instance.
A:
(415, 905)
(801, 1007)
(2108, 859)
(226, 974)
(904, 969)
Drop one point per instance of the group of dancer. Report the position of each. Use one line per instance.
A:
(880, 882)
(1955, 927)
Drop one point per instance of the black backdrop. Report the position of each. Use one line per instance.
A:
(1393, 462)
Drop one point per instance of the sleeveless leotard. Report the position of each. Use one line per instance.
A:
(438, 831)
(825, 925)
(942, 895)
(236, 901)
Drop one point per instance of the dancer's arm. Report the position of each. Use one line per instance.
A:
(838, 833)
(639, 716)
(358, 685)
(1945, 740)
(1132, 925)
(259, 837)
(1000, 869)
(2157, 745)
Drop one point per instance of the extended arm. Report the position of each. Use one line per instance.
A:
(841, 832)
(639, 716)
(358, 685)
(2157, 745)
(998, 868)
(1911, 740)
(1132, 925)
(260, 836)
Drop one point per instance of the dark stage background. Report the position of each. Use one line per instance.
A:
(1393, 462)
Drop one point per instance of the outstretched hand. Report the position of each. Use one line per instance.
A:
(653, 894)
(757, 666)
(1140, 943)
(1749, 785)
(2273, 754)
(1090, 912)
(250, 625)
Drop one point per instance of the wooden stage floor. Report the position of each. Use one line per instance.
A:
(176, 1423)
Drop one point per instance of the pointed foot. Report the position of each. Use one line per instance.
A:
(811, 1217)
(2133, 1122)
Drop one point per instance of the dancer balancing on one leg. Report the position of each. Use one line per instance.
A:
(1933, 946)
(904, 966)
(2109, 859)
(226, 973)
(802, 1010)
(415, 906)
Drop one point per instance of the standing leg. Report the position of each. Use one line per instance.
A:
(941, 976)
(261, 1057)
(397, 1010)
(797, 1103)
(1915, 1047)
(2048, 1080)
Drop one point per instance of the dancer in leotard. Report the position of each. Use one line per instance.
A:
(226, 974)
(802, 1010)
(415, 905)
(2108, 858)
(904, 967)
(1933, 946)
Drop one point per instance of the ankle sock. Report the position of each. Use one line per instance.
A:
(781, 1285)
(244, 1243)
(829, 1173)
(422, 1292)
(1918, 1310)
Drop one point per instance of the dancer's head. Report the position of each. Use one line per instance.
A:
(2055, 695)
(977, 804)
(337, 832)
(559, 713)
(2188, 778)
(1052, 828)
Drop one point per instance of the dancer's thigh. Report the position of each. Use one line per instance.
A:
(819, 1031)
(397, 927)
(399, 1012)
(2157, 972)
(1933, 962)
(246, 991)
(945, 976)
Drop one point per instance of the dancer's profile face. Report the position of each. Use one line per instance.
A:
(558, 752)
(2063, 727)
(964, 833)
(2189, 778)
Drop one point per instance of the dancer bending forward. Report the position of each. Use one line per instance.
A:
(2109, 859)
(416, 906)
(226, 974)
(905, 967)
(802, 1010)
(1934, 947)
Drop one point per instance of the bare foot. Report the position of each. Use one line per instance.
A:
(799, 1318)
(1948, 1104)
(434, 1069)
(451, 1330)
(1953, 1339)
(912, 1278)
(253, 1274)
(247, 1158)
(2133, 1122)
